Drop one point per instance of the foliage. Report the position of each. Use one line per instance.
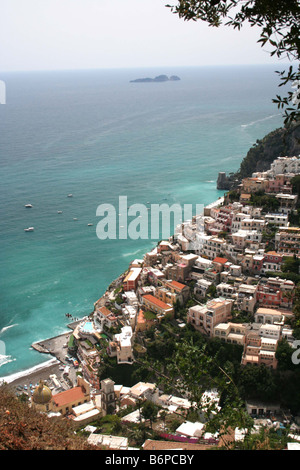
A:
(284, 356)
(295, 182)
(264, 439)
(291, 264)
(193, 370)
(23, 428)
(233, 195)
(149, 411)
(266, 202)
(287, 275)
(279, 25)
(256, 382)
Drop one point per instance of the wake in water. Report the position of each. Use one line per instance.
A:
(260, 120)
(5, 328)
(4, 359)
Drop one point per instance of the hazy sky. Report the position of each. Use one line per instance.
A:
(80, 34)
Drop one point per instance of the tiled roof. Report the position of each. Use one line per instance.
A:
(220, 260)
(75, 394)
(156, 301)
(178, 285)
(166, 445)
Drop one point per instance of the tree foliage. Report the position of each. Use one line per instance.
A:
(279, 24)
(23, 428)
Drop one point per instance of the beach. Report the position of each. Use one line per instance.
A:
(57, 347)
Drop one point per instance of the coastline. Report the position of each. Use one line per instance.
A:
(55, 345)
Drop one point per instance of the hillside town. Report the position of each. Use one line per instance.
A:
(233, 280)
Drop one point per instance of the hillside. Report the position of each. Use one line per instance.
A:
(23, 428)
(278, 143)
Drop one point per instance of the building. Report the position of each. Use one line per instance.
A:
(287, 241)
(219, 263)
(123, 341)
(201, 288)
(277, 219)
(108, 399)
(131, 280)
(143, 323)
(212, 247)
(246, 297)
(107, 442)
(156, 306)
(234, 333)
(182, 291)
(228, 291)
(259, 350)
(275, 292)
(269, 316)
(104, 316)
(63, 402)
(287, 202)
(285, 165)
(205, 317)
(272, 262)
(252, 185)
(41, 399)
(90, 360)
(166, 296)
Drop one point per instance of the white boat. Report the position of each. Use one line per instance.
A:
(59, 212)
(90, 225)
(75, 218)
(29, 229)
(28, 205)
(70, 195)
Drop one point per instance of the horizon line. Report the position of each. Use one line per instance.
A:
(144, 67)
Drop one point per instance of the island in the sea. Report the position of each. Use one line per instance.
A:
(159, 78)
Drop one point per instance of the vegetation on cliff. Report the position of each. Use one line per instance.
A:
(282, 142)
(23, 428)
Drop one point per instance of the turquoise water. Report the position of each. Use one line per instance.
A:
(97, 136)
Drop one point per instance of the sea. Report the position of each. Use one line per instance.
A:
(95, 135)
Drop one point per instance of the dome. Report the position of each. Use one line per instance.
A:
(42, 394)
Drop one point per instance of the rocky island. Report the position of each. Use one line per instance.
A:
(159, 78)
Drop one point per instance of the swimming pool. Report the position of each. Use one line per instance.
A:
(87, 327)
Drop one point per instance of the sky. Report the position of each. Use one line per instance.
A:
(95, 34)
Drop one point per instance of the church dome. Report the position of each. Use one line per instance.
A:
(42, 394)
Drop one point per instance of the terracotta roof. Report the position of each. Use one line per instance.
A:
(156, 301)
(141, 318)
(75, 394)
(220, 260)
(176, 284)
(165, 445)
(105, 311)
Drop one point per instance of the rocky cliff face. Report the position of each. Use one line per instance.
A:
(279, 143)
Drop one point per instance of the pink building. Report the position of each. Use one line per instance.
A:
(275, 292)
(259, 350)
(205, 317)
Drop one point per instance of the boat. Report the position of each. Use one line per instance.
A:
(28, 205)
(75, 218)
(59, 212)
(29, 229)
(70, 195)
(90, 225)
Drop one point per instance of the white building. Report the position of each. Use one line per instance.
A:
(283, 165)
(124, 346)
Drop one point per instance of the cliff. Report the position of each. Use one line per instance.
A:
(278, 143)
